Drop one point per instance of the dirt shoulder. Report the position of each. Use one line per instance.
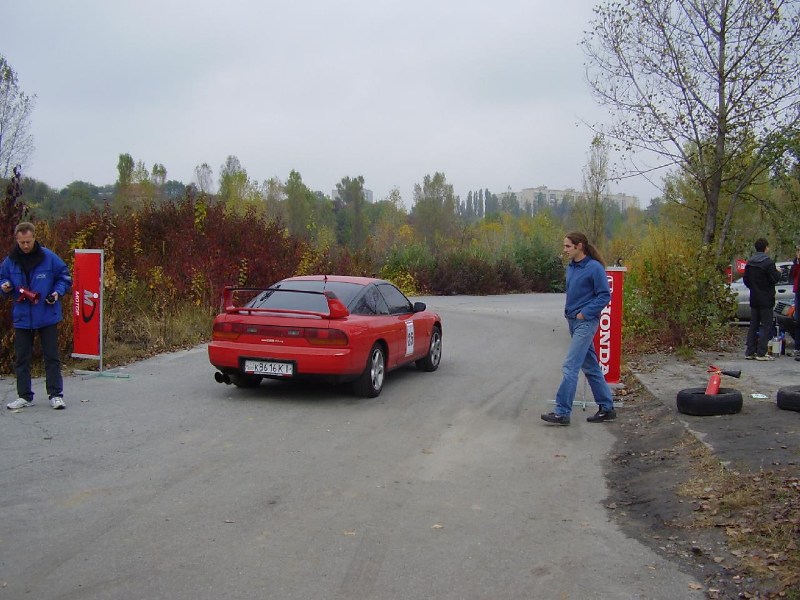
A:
(697, 489)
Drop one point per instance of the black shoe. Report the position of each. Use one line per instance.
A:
(602, 415)
(797, 358)
(557, 419)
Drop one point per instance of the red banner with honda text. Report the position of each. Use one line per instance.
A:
(87, 298)
(608, 339)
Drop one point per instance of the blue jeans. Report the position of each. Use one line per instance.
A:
(581, 355)
(23, 347)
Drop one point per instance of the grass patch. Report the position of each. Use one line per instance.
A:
(142, 335)
(760, 514)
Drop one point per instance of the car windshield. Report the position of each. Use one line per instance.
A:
(288, 295)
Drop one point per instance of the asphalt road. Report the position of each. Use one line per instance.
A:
(170, 485)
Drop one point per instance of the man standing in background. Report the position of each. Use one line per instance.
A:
(36, 278)
(760, 276)
(794, 277)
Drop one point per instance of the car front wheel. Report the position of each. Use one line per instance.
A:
(370, 383)
(434, 355)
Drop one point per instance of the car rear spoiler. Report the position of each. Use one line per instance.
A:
(336, 309)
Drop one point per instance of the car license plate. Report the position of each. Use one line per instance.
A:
(261, 367)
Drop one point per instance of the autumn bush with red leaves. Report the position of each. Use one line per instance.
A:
(162, 262)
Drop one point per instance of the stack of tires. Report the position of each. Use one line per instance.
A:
(695, 401)
(789, 397)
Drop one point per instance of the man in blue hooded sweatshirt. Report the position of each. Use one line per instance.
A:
(587, 295)
(36, 278)
(760, 276)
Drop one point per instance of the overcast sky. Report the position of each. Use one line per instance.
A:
(490, 93)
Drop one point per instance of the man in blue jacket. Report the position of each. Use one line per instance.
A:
(588, 294)
(36, 279)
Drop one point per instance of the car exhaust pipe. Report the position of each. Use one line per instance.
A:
(222, 378)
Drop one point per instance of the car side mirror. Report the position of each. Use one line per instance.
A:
(419, 307)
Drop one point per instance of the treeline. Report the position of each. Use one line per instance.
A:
(170, 247)
(167, 259)
(488, 244)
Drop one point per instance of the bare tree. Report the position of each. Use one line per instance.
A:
(16, 142)
(699, 84)
(159, 175)
(591, 210)
(204, 177)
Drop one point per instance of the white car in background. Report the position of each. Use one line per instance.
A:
(783, 292)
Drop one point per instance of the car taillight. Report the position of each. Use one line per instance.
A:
(326, 337)
(226, 331)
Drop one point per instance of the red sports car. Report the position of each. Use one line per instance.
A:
(342, 328)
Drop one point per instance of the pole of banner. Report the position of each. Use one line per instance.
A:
(87, 311)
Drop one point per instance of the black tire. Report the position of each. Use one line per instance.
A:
(789, 397)
(434, 355)
(370, 383)
(695, 401)
(246, 381)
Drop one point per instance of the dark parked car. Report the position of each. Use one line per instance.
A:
(784, 315)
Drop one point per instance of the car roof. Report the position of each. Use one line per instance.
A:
(781, 264)
(337, 278)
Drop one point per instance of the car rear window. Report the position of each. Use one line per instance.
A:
(289, 295)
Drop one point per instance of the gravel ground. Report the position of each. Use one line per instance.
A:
(657, 451)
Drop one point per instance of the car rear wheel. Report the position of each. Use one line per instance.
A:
(246, 381)
(370, 383)
(434, 356)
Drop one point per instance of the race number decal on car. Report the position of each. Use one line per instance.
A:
(409, 338)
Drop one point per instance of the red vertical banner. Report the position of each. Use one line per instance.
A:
(608, 339)
(87, 304)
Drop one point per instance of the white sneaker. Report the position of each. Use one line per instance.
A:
(18, 403)
(57, 402)
(765, 357)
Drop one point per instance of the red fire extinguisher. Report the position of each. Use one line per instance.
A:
(713, 382)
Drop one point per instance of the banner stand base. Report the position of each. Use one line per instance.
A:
(92, 374)
(583, 402)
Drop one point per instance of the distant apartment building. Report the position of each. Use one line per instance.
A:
(545, 195)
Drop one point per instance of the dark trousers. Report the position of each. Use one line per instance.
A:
(796, 316)
(23, 347)
(760, 331)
